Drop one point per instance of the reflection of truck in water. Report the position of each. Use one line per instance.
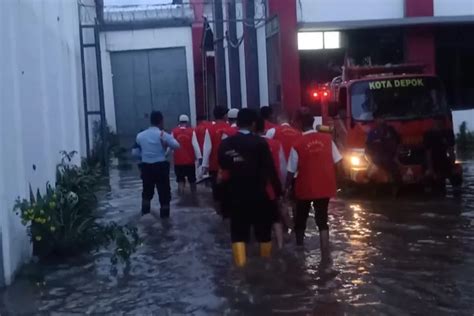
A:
(405, 98)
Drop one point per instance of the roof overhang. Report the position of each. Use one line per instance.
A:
(367, 24)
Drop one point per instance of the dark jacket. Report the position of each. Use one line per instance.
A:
(248, 160)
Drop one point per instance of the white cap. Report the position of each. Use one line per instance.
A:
(183, 118)
(232, 114)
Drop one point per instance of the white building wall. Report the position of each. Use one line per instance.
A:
(40, 105)
(349, 10)
(262, 65)
(140, 40)
(453, 7)
(240, 34)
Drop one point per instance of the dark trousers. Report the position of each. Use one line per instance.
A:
(214, 186)
(246, 215)
(156, 175)
(302, 213)
(184, 172)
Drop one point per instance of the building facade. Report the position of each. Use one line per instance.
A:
(304, 43)
(40, 109)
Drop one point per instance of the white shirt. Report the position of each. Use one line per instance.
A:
(206, 149)
(293, 160)
(271, 132)
(153, 144)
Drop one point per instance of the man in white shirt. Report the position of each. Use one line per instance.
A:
(151, 146)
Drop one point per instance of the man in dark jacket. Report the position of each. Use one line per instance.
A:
(246, 163)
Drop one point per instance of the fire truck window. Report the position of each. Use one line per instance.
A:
(342, 108)
(406, 98)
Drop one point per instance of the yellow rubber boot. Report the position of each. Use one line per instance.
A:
(240, 256)
(265, 249)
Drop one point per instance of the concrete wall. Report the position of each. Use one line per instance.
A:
(453, 7)
(40, 101)
(349, 10)
(140, 40)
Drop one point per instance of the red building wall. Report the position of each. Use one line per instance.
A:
(420, 41)
(197, 33)
(290, 72)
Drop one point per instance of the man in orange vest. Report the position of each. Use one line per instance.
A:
(284, 133)
(279, 162)
(185, 157)
(200, 130)
(212, 140)
(232, 119)
(313, 158)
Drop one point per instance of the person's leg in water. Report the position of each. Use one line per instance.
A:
(263, 227)
(148, 183)
(300, 219)
(191, 175)
(277, 222)
(163, 188)
(321, 217)
(180, 178)
(240, 235)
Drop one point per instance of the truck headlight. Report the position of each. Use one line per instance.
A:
(355, 161)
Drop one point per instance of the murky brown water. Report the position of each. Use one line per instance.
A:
(410, 256)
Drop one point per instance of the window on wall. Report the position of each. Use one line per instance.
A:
(319, 40)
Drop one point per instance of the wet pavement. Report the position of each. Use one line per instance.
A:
(409, 256)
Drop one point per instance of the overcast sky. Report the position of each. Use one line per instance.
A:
(135, 2)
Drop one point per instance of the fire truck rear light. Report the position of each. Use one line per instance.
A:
(315, 94)
(325, 94)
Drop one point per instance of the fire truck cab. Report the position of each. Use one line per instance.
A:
(405, 97)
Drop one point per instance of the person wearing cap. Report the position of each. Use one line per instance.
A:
(151, 146)
(212, 140)
(186, 156)
(232, 119)
(246, 164)
(313, 157)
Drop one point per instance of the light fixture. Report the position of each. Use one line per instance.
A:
(332, 40)
(310, 40)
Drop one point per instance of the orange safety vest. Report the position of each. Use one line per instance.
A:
(316, 171)
(215, 132)
(200, 131)
(185, 154)
(275, 147)
(287, 135)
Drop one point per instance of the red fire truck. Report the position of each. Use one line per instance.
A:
(404, 96)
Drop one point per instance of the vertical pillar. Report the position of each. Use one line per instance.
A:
(233, 55)
(251, 56)
(197, 36)
(420, 41)
(290, 63)
(221, 82)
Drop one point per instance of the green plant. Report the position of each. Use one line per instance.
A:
(62, 220)
(465, 138)
(111, 142)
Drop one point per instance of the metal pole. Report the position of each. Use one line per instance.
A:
(103, 122)
(84, 88)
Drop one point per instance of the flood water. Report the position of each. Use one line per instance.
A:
(405, 256)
